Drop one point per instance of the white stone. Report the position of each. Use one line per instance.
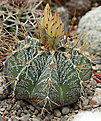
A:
(88, 116)
(90, 25)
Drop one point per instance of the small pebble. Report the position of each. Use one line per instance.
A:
(93, 82)
(36, 112)
(90, 92)
(94, 67)
(13, 118)
(3, 103)
(18, 107)
(98, 85)
(85, 102)
(19, 112)
(8, 108)
(22, 114)
(14, 112)
(99, 108)
(1, 113)
(25, 117)
(46, 118)
(31, 107)
(2, 109)
(34, 118)
(86, 107)
(89, 97)
(65, 110)
(57, 113)
(53, 120)
(6, 112)
(9, 101)
(25, 112)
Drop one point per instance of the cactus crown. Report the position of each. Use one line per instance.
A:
(52, 27)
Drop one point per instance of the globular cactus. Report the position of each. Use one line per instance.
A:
(14, 14)
(13, 11)
(49, 70)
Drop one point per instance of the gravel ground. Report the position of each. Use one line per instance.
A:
(20, 110)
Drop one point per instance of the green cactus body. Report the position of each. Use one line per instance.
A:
(47, 75)
(50, 71)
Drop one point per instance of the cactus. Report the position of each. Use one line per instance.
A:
(48, 71)
(14, 14)
(13, 11)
